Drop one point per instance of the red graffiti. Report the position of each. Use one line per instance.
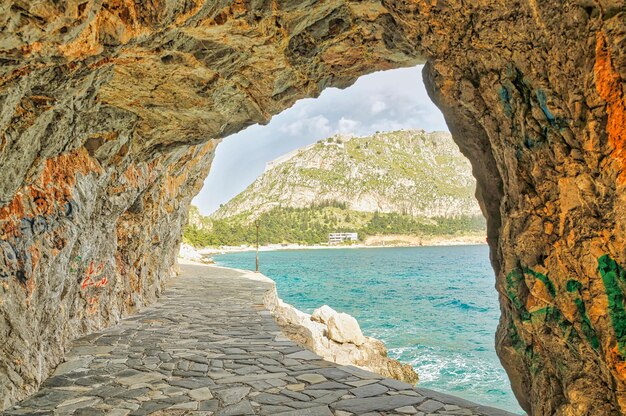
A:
(93, 278)
(86, 283)
(92, 274)
(94, 270)
(93, 304)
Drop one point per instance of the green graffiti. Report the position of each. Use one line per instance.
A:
(585, 323)
(612, 275)
(565, 326)
(573, 286)
(573, 338)
(524, 349)
(542, 277)
(548, 314)
(570, 334)
(516, 340)
(551, 314)
(513, 280)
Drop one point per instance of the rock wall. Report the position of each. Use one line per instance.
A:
(541, 117)
(110, 111)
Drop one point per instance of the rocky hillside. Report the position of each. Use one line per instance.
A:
(408, 172)
(403, 183)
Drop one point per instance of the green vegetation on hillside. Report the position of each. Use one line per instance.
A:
(312, 226)
(410, 172)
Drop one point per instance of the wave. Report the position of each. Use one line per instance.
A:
(456, 303)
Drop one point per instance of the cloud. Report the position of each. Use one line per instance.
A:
(293, 129)
(346, 125)
(378, 106)
(320, 124)
(382, 101)
(305, 126)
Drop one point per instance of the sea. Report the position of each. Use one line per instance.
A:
(434, 307)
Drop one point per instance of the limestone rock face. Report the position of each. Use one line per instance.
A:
(344, 329)
(110, 112)
(408, 171)
(323, 314)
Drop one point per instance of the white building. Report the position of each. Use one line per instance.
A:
(334, 238)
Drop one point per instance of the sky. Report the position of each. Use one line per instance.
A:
(382, 101)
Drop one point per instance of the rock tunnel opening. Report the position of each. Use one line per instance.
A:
(256, 175)
(532, 92)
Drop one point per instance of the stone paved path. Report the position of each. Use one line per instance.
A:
(210, 347)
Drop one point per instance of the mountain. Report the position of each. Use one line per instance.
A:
(410, 172)
(400, 187)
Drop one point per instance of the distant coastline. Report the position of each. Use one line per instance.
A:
(389, 241)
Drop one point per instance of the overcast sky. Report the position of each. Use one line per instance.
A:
(382, 101)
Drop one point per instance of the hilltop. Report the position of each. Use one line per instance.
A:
(408, 172)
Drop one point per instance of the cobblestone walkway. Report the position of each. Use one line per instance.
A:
(209, 347)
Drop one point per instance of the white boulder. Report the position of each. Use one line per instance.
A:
(336, 337)
(188, 252)
(323, 314)
(343, 328)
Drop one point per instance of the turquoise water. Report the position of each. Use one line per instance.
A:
(434, 307)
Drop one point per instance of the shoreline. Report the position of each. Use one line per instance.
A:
(314, 334)
(433, 242)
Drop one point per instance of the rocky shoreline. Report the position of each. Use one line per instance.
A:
(334, 336)
(337, 337)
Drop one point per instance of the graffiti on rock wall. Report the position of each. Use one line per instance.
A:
(37, 218)
(577, 328)
(614, 278)
(92, 278)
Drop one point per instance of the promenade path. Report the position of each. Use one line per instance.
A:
(209, 347)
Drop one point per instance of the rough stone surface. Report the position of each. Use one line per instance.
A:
(348, 172)
(344, 328)
(110, 111)
(109, 115)
(197, 343)
(337, 337)
(322, 314)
